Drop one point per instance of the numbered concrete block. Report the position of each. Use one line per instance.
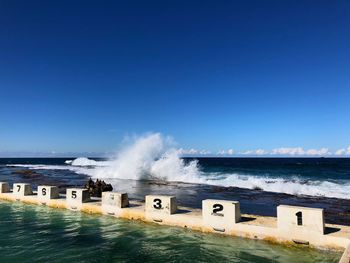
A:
(160, 204)
(112, 202)
(75, 198)
(46, 192)
(4, 187)
(22, 189)
(296, 219)
(220, 215)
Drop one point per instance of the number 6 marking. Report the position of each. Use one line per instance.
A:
(157, 203)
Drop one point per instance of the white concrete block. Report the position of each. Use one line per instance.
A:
(75, 197)
(221, 215)
(46, 192)
(303, 220)
(22, 189)
(4, 187)
(161, 204)
(112, 202)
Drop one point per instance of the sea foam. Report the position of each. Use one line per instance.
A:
(83, 161)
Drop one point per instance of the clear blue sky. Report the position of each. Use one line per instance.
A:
(79, 76)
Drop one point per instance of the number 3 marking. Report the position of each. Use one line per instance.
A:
(157, 203)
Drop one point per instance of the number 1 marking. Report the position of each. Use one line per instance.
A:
(299, 218)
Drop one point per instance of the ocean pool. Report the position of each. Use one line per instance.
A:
(41, 234)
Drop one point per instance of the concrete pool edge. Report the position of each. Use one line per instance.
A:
(335, 237)
(346, 255)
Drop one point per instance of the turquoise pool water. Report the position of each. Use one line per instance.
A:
(40, 234)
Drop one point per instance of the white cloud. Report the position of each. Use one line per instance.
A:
(300, 151)
(230, 151)
(344, 151)
(226, 152)
(261, 152)
(340, 152)
(192, 151)
(204, 152)
(282, 151)
(255, 152)
(320, 152)
(288, 151)
(187, 151)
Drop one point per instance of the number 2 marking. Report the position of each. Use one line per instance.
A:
(157, 203)
(18, 188)
(216, 209)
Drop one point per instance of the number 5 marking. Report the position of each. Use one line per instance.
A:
(74, 194)
(43, 191)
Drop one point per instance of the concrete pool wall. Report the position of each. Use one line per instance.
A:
(293, 225)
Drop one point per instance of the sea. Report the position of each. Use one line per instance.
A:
(260, 184)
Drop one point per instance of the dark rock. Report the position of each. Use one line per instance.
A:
(96, 188)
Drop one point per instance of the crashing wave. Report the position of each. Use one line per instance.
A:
(150, 157)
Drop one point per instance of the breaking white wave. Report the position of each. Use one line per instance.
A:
(294, 186)
(154, 157)
(150, 157)
(83, 161)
